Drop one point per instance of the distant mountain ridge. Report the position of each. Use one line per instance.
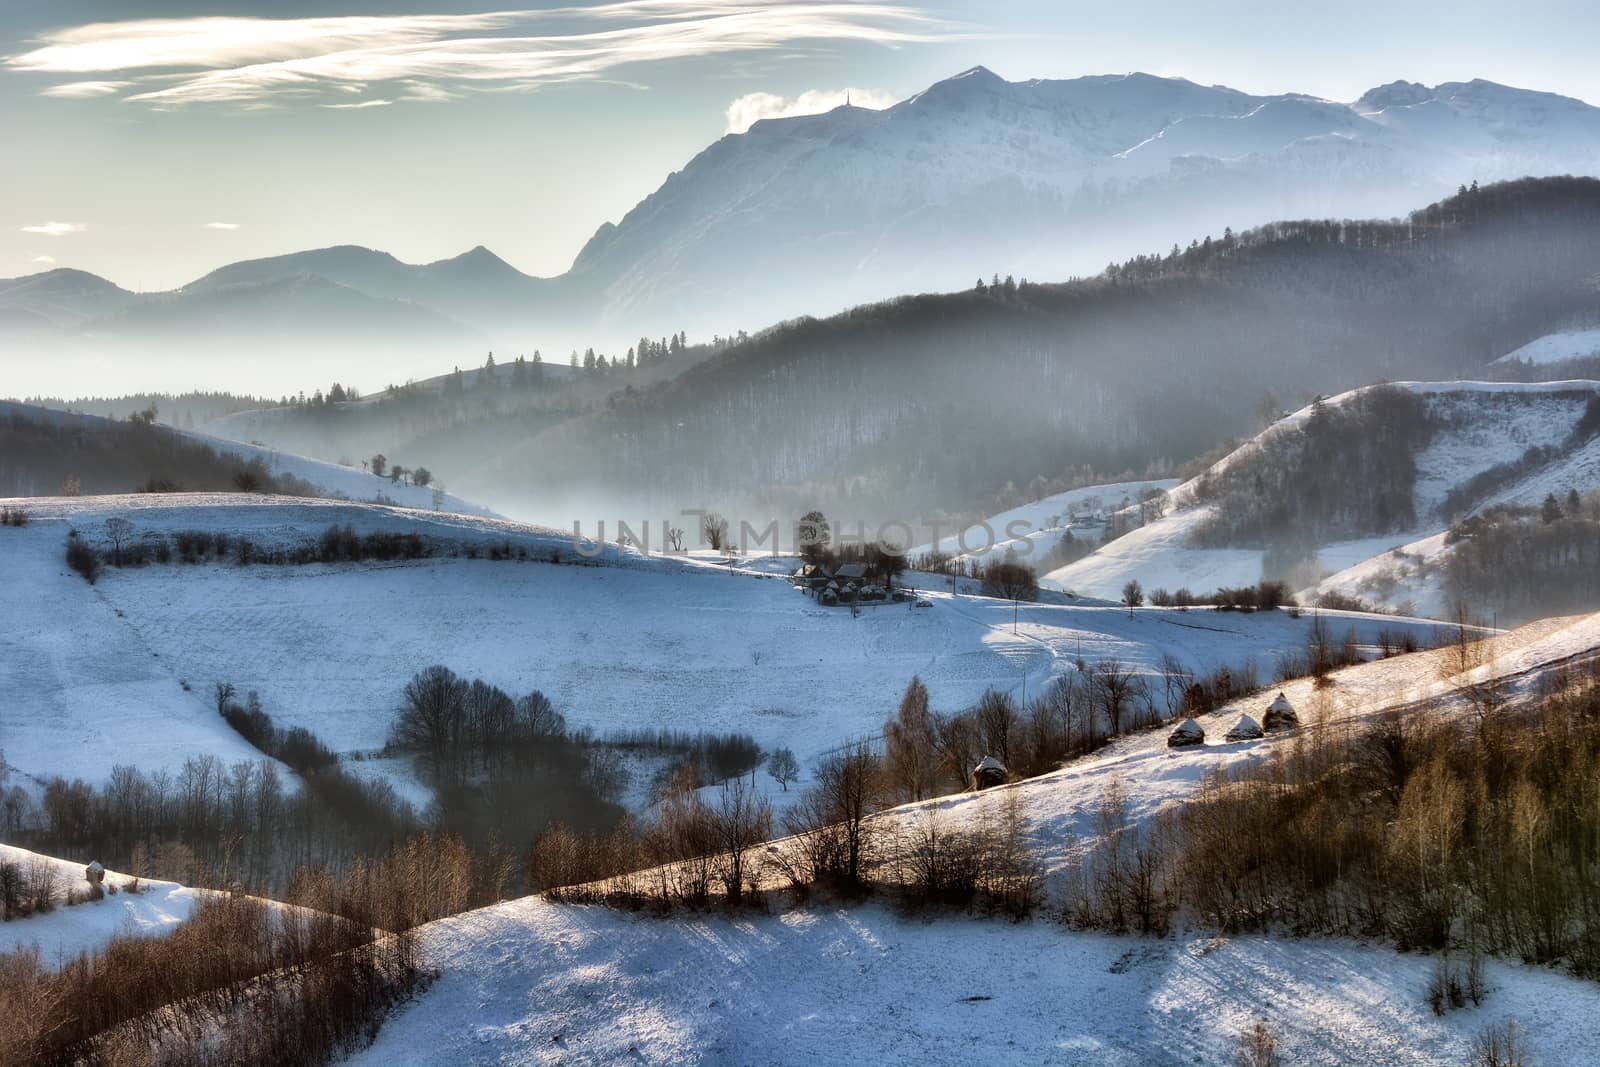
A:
(974, 175)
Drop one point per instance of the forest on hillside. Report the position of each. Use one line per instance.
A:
(931, 404)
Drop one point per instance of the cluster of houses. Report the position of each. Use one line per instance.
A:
(849, 583)
(1280, 716)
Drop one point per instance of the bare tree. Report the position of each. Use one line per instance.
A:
(1010, 579)
(845, 796)
(1115, 687)
(956, 741)
(1176, 678)
(742, 819)
(120, 531)
(783, 767)
(909, 746)
(813, 535)
(714, 530)
(1133, 593)
(432, 719)
(996, 719)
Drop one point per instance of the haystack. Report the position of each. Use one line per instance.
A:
(1187, 735)
(1246, 729)
(1280, 715)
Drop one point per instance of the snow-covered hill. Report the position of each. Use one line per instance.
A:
(1556, 348)
(1476, 426)
(330, 479)
(532, 982)
(153, 908)
(1031, 531)
(529, 982)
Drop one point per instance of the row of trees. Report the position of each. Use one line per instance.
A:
(926, 752)
(124, 545)
(378, 464)
(692, 852)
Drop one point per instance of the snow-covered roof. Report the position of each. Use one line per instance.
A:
(989, 763)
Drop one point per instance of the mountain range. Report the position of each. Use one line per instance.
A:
(804, 215)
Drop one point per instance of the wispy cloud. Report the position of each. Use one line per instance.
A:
(357, 106)
(751, 108)
(222, 225)
(56, 229)
(84, 89)
(252, 61)
(48, 261)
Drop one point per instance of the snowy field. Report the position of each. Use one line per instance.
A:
(101, 670)
(534, 983)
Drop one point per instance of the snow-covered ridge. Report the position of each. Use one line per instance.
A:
(331, 479)
(1481, 425)
(1556, 348)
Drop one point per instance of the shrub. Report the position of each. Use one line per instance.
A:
(1446, 990)
(1500, 1046)
(1258, 1048)
(82, 558)
(1010, 580)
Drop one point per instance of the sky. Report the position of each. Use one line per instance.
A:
(150, 142)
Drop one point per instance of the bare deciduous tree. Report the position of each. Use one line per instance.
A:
(119, 531)
(996, 719)
(783, 767)
(1116, 687)
(909, 745)
(714, 530)
(741, 820)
